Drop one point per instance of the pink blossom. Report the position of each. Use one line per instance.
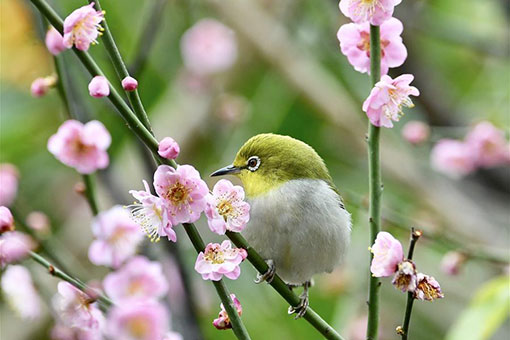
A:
(139, 278)
(386, 99)
(8, 183)
(415, 132)
(80, 146)
(15, 246)
(99, 87)
(218, 260)
(387, 255)
(223, 321)
(173, 336)
(62, 332)
(129, 83)
(117, 237)
(82, 27)
(183, 191)
(405, 277)
(452, 262)
(151, 213)
(6, 220)
(75, 308)
(374, 11)
(355, 45)
(226, 208)
(489, 145)
(453, 158)
(41, 86)
(20, 293)
(54, 41)
(145, 320)
(428, 288)
(168, 148)
(208, 47)
(38, 221)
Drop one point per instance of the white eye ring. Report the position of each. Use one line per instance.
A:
(256, 166)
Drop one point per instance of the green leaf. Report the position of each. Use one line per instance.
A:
(485, 313)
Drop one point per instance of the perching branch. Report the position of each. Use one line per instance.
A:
(403, 331)
(374, 185)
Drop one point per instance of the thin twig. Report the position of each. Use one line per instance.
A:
(375, 186)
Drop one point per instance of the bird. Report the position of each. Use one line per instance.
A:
(298, 221)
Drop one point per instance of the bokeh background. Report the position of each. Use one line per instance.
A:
(289, 78)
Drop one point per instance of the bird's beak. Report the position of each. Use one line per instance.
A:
(228, 170)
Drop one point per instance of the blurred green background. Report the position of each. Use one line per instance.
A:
(290, 78)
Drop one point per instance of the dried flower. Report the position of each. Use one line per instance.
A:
(223, 321)
(405, 278)
(427, 288)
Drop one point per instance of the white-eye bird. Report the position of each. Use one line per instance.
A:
(298, 222)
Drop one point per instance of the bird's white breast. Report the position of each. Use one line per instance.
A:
(302, 226)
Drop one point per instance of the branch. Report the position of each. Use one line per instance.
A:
(375, 186)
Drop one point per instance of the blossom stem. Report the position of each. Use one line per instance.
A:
(403, 331)
(90, 193)
(375, 186)
(121, 70)
(54, 271)
(277, 283)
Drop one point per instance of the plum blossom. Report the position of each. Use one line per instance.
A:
(8, 183)
(138, 278)
(81, 146)
(82, 27)
(427, 288)
(54, 41)
(453, 158)
(405, 278)
(223, 321)
(415, 132)
(38, 221)
(388, 254)
(15, 246)
(99, 87)
(183, 192)
(374, 11)
(129, 83)
(452, 262)
(6, 220)
(63, 332)
(152, 215)
(40, 86)
(20, 293)
(208, 47)
(76, 309)
(218, 260)
(137, 320)
(226, 208)
(173, 336)
(488, 145)
(386, 99)
(117, 237)
(168, 148)
(355, 45)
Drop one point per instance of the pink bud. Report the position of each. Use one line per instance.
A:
(40, 86)
(38, 221)
(6, 220)
(99, 87)
(129, 83)
(54, 41)
(168, 148)
(415, 132)
(452, 262)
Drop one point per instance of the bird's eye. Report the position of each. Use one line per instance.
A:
(253, 163)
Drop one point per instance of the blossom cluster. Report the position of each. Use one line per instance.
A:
(484, 146)
(385, 102)
(388, 259)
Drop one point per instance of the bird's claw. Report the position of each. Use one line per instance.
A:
(301, 308)
(268, 276)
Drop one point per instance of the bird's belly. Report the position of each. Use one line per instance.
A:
(301, 226)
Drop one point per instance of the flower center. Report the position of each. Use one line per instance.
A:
(225, 209)
(79, 147)
(134, 287)
(214, 255)
(139, 328)
(178, 194)
(364, 44)
(428, 291)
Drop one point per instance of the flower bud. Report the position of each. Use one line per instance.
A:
(452, 262)
(168, 148)
(54, 41)
(38, 221)
(40, 86)
(129, 84)
(6, 220)
(415, 132)
(99, 87)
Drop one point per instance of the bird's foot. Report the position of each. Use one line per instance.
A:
(300, 309)
(268, 276)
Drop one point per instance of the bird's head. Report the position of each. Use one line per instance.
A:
(267, 161)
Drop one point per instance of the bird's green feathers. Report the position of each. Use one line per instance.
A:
(282, 158)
